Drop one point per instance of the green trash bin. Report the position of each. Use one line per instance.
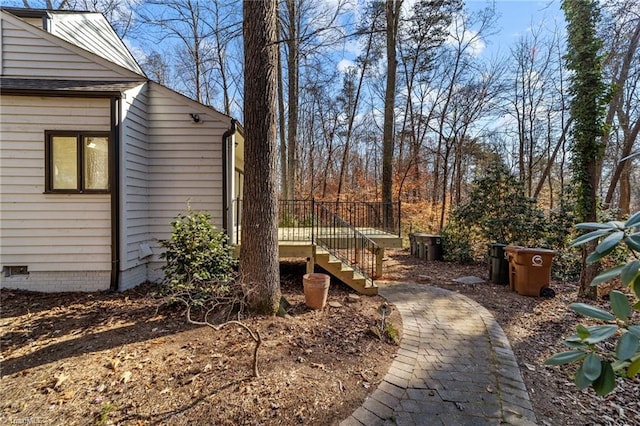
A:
(420, 245)
(433, 247)
(498, 264)
(413, 244)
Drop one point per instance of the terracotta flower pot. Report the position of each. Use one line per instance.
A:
(316, 290)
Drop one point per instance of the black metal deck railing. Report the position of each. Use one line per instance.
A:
(376, 217)
(338, 227)
(295, 220)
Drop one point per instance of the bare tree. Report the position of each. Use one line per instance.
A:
(456, 67)
(622, 67)
(307, 28)
(351, 92)
(202, 36)
(392, 14)
(120, 13)
(156, 67)
(183, 20)
(424, 31)
(537, 103)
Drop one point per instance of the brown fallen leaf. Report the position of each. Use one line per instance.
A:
(113, 365)
(60, 379)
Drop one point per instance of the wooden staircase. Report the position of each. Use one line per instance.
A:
(347, 238)
(345, 273)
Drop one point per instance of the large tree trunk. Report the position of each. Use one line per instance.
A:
(630, 130)
(282, 121)
(393, 17)
(259, 268)
(293, 79)
(624, 204)
(586, 112)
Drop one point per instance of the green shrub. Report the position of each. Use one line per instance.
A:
(497, 212)
(560, 232)
(199, 260)
(457, 243)
(600, 364)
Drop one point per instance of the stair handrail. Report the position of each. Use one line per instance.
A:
(345, 242)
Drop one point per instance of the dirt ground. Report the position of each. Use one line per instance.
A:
(104, 358)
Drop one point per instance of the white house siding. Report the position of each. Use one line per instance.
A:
(92, 32)
(29, 51)
(64, 239)
(134, 189)
(185, 162)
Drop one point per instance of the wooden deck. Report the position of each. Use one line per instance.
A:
(296, 237)
(297, 243)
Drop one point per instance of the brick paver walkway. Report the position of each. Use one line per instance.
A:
(454, 366)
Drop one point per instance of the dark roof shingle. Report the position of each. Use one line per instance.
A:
(96, 87)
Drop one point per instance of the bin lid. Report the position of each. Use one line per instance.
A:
(535, 250)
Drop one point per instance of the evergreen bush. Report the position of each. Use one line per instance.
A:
(199, 260)
(612, 348)
(497, 212)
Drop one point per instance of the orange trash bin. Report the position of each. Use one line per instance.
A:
(532, 270)
(510, 255)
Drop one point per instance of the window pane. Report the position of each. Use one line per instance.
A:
(64, 151)
(96, 163)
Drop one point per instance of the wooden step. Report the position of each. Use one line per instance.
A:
(345, 273)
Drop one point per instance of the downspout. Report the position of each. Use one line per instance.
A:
(114, 172)
(225, 178)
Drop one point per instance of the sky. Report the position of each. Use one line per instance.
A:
(516, 18)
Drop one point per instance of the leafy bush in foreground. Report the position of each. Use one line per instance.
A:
(599, 363)
(199, 261)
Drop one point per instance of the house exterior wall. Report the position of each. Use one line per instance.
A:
(166, 160)
(60, 237)
(185, 163)
(92, 32)
(27, 51)
(134, 189)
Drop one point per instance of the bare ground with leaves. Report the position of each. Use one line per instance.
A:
(77, 359)
(535, 328)
(107, 359)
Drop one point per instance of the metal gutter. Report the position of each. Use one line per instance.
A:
(225, 171)
(116, 113)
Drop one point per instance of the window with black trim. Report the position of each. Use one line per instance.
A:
(77, 161)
